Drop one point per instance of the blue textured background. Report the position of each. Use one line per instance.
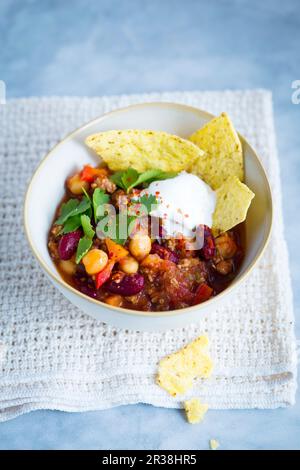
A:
(110, 47)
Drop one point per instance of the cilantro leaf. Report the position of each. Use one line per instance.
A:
(71, 208)
(148, 202)
(125, 179)
(87, 226)
(143, 205)
(117, 179)
(153, 175)
(67, 210)
(117, 227)
(99, 198)
(73, 223)
(86, 193)
(160, 175)
(128, 219)
(130, 178)
(83, 247)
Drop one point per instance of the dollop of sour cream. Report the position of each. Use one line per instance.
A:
(184, 202)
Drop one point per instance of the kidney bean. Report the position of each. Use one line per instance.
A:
(87, 290)
(164, 253)
(68, 244)
(127, 285)
(84, 283)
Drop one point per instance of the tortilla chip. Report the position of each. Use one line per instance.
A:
(195, 410)
(223, 152)
(177, 372)
(214, 444)
(144, 150)
(233, 201)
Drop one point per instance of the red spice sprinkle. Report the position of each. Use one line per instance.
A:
(157, 193)
(186, 215)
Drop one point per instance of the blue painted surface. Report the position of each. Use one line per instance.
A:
(110, 47)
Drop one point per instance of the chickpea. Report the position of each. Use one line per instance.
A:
(68, 266)
(151, 261)
(140, 245)
(114, 300)
(75, 184)
(129, 265)
(226, 246)
(94, 261)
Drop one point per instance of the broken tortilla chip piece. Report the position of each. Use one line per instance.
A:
(144, 150)
(233, 201)
(214, 444)
(195, 410)
(223, 152)
(176, 372)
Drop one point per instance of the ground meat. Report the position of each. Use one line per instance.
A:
(103, 182)
(224, 267)
(53, 241)
(53, 249)
(116, 198)
(180, 246)
(172, 286)
(100, 244)
(140, 301)
(55, 230)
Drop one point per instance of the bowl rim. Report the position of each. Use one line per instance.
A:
(139, 313)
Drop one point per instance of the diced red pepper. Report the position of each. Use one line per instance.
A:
(104, 275)
(89, 173)
(203, 293)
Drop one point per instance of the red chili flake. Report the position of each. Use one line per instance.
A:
(186, 215)
(157, 193)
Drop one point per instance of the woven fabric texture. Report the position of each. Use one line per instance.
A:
(53, 356)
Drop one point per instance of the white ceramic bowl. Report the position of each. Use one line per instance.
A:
(47, 188)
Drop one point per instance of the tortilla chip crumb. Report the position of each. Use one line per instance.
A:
(195, 410)
(176, 372)
(214, 444)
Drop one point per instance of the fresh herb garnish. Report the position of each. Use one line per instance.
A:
(87, 226)
(73, 223)
(119, 226)
(67, 210)
(71, 208)
(86, 193)
(99, 199)
(148, 202)
(83, 247)
(152, 175)
(131, 178)
(142, 206)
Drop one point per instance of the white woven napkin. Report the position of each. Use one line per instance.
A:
(53, 356)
